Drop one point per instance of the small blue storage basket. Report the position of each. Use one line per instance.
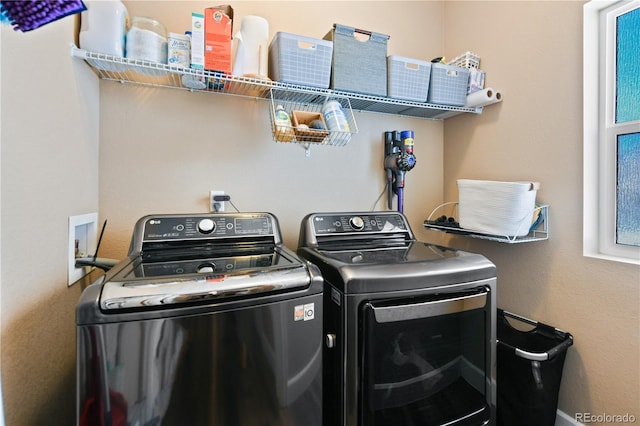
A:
(408, 78)
(448, 85)
(296, 59)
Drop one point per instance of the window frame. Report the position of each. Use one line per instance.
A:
(600, 132)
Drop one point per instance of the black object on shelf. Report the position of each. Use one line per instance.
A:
(538, 231)
(529, 371)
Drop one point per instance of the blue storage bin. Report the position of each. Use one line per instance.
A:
(408, 78)
(448, 85)
(297, 59)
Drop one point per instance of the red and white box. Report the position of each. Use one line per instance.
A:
(218, 32)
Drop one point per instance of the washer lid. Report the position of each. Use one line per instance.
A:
(163, 281)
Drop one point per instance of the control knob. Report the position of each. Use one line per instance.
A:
(206, 226)
(356, 223)
(206, 268)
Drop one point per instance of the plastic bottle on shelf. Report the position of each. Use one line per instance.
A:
(147, 40)
(103, 29)
(192, 81)
(335, 117)
(283, 126)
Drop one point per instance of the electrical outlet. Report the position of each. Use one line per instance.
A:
(83, 231)
(215, 206)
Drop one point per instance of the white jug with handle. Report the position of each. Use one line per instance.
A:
(251, 48)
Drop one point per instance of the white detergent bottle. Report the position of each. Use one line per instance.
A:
(335, 117)
(103, 29)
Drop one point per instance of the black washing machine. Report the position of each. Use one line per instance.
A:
(210, 320)
(410, 327)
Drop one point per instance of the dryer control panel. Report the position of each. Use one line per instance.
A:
(374, 222)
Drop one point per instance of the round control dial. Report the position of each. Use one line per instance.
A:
(356, 223)
(206, 268)
(206, 226)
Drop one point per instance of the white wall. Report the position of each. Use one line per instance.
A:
(163, 150)
(49, 172)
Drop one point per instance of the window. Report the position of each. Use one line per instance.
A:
(612, 130)
(628, 189)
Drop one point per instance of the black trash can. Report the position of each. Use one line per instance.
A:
(529, 370)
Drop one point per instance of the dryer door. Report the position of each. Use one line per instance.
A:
(426, 362)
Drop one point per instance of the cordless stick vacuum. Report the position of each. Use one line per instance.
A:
(398, 160)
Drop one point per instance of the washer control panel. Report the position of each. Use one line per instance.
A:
(181, 227)
(375, 222)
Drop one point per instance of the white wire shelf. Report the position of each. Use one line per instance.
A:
(125, 70)
(539, 232)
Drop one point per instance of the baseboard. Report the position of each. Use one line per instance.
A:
(563, 419)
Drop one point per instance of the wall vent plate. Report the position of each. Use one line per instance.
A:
(83, 231)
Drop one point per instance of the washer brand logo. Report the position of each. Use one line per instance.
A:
(304, 312)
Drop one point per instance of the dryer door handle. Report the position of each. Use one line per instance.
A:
(433, 308)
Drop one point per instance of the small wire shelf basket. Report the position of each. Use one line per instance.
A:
(303, 110)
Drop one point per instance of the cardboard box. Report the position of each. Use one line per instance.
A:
(197, 40)
(306, 134)
(218, 32)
